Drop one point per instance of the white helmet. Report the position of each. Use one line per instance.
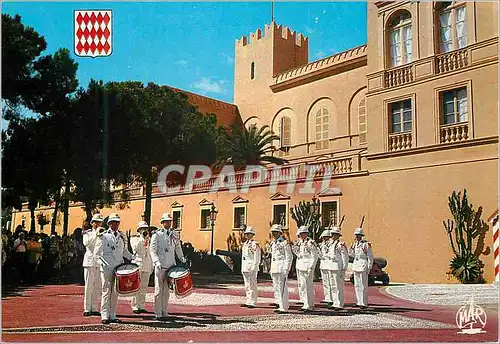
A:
(113, 217)
(359, 231)
(97, 218)
(326, 233)
(277, 228)
(302, 229)
(336, 230)
(249, 230)
(165, 217)
(142, 224)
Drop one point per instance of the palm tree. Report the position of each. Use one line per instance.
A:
(249, 147)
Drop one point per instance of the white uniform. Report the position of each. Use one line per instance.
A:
(91, 273)
(363, 261)
(250, 261)
(281, 263)
(109, 251)
(165, 244)
(295, 250)
(140, 247)
(334, 261)
(307, 256)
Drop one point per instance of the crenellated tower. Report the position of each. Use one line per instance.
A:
(260, 57)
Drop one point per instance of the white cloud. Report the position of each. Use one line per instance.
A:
(183, 63)
(320, 54)
(210, 86)
(228, 59)
(309, 30)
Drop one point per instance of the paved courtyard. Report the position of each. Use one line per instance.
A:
(212, 313)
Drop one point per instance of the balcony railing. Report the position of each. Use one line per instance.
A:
(452, 61)
(338, 166)
(454, 132)
(399, 141)
(398, 76)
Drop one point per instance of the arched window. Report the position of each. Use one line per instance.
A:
(285, 129)
(399, 39)
(252, 70)
(362, 120)
(322, 129)
(452, 23)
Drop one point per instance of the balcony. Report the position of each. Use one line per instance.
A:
(399, 141)
(398, 76)
(451, 61)
(454, 132)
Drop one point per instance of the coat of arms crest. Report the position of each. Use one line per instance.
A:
(93, 33)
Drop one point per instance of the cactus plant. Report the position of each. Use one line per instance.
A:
(463, 231)
(303, 214)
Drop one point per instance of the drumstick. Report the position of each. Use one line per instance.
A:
(362, 220)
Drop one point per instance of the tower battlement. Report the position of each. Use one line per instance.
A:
(274, 30)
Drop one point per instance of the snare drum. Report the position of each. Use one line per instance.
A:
(128, 278)
(180, 279)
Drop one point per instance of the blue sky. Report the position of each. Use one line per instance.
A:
(190, 45)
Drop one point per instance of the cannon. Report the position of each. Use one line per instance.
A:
(235, 257)
(376, 273)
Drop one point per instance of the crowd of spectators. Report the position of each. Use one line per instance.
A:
(32, 258)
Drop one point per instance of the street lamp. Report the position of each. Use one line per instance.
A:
(213, 217)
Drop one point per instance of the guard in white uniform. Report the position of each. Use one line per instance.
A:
(325, 266)
(295, 250)
(111, 246)
(281, 263)
(165, 245)
(363, 261)
(140, 248)
(250, 261)
(307, 257)
(340, 259)
(91, 273)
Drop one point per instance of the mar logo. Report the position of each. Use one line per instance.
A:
(471, 318)
(93, 35)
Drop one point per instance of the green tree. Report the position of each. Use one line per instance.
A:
(249, 147)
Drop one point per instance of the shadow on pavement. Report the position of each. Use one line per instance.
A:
(185, 320)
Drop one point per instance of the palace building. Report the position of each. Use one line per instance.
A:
(402, 121)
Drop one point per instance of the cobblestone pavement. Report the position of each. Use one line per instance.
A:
(213, 313)
(447, 294)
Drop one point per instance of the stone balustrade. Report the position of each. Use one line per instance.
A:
(451, 61)
(399, 141)
(454, 132)
(398, 76)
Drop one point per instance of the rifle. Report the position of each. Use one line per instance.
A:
(362, 220)
(341, 221)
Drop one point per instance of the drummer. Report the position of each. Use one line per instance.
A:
(165, 245)
(111, 246)
(140, 247)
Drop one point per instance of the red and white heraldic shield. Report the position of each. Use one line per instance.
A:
(93, 33)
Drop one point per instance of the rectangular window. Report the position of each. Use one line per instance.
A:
(400, 40)
(400, 117)
(205, 219)
(329, 214)
(279, 214)
(454, 106)
(453, 28)
(239, 217)
(362, 120)
(252, 71)
(285, 132)
(176, 222)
